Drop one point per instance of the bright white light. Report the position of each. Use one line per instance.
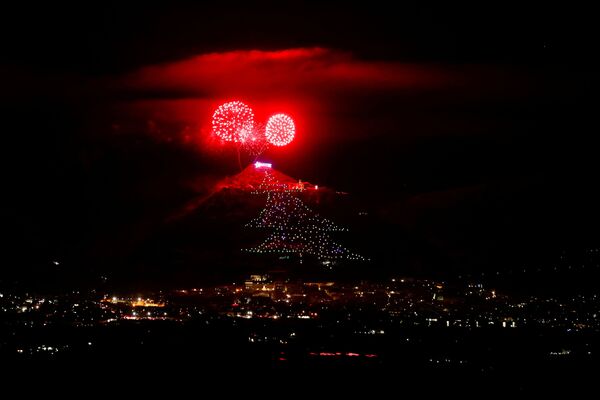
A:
(259, 164)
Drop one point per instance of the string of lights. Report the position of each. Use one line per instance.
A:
(284, 211)
(315, 244)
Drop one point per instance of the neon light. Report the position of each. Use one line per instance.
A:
(259, 164)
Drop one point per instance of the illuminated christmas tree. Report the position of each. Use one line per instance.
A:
(295, 227)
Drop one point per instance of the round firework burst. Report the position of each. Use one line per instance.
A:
(233, 121)
(280, 130)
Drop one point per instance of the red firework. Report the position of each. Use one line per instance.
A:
(280, 130)
(255, 143)
(233, 121)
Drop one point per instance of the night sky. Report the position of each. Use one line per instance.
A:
(469, 133)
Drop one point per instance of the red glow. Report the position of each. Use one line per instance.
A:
(314, 85)
(280, 130)
(233, 121)
(279, 73)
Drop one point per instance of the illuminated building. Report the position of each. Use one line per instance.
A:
(146, 303)
(256, 281)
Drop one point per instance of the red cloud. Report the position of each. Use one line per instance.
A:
(331, 95)
(323, 90)
(283, 73)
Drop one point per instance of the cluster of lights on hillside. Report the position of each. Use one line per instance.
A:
(305, 242)
(283, 211)
(295, 227)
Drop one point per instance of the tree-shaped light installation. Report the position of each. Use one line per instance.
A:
(296, 228)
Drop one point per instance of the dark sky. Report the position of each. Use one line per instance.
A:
(470, 129)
